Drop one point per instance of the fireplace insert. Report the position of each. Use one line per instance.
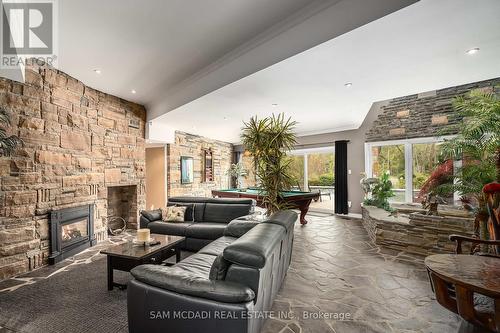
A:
(71, 231)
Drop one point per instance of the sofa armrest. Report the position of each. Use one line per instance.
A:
(239, 226)
(169, 279)
(148, 216)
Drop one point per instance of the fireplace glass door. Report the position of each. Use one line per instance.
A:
(74, 232)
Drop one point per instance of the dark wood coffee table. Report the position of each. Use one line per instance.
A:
(126, 256)
(460, 283)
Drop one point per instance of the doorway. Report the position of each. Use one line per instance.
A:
(313, 170)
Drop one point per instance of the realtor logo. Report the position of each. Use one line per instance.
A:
(28, 31)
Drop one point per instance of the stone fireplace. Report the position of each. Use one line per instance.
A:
(78, 144)
(71, 231)
(122, 203)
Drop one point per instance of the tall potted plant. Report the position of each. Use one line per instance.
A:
(268, 140)
(7, 143)
(478, 146)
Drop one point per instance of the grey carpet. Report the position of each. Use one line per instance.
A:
(71, 301)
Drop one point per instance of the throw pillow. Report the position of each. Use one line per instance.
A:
(189, 216)
(173, 214)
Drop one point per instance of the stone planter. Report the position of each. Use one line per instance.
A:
(417, 234)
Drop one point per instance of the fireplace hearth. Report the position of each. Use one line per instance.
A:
(71, 231)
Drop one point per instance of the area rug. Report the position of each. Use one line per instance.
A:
(74, 300)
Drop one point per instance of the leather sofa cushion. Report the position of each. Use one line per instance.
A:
(253, 248)
(190, 277)
(215, 212)
(217, 246)
(152, 215)
(285, 218)
(219, 268)
(169, 228)
(190, 210)
(205, 230)
(237, 228)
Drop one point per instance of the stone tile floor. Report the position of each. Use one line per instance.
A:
(335, 271)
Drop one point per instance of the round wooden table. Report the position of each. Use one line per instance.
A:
(468, 285)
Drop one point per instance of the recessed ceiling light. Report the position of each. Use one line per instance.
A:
(348, 84)
(274, 105)
(97, 71)
(133, 91)
(472, 51)
(225, 118)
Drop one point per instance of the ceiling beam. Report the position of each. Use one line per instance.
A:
(317, 23)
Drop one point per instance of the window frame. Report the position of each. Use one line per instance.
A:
(408, 153)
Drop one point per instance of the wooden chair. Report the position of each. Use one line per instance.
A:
(474, 307)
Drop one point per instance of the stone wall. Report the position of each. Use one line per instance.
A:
(192, 146)
(422, 115)
(249, 165)
(77, 142)
(419, 234)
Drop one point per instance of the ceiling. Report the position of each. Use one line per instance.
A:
(166, 53)
(419, 48)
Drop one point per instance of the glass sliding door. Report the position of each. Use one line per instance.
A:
(314, 171)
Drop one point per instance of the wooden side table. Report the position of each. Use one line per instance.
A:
(468, 285)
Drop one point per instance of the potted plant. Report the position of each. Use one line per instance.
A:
(7, 143)
(268, 140)
(237, 171)
(380, 193)
(477, 145)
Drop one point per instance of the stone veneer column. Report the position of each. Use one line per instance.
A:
(77, 142)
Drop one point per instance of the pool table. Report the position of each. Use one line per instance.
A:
(296, 199)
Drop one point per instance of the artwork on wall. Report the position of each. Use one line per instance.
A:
(208, 165)
(187, 172)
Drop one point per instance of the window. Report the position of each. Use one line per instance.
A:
(413, 165)
(391, 160)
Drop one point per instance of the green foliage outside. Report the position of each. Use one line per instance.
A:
(323, 180)
(320, 169)
(381, 193)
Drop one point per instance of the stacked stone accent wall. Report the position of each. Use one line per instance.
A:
(419, 234)
(422, 115)
(192, 146)
(250, 179)
(77, 142)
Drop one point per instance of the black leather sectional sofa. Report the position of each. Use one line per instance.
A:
(210, 218)
(225, 287)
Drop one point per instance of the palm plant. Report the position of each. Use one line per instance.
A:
(7, 143)
(478, 146)
(268, 140)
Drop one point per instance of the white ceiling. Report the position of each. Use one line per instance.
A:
(419, 48)
(151, 45)
(174, 51)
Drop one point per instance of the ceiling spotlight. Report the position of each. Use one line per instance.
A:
(133, 91)
(472, 51)
(225, 118)
(274, 105)
(97, 71)
(348, 84)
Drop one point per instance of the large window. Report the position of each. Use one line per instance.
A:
(414, 166)
(390, 159)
